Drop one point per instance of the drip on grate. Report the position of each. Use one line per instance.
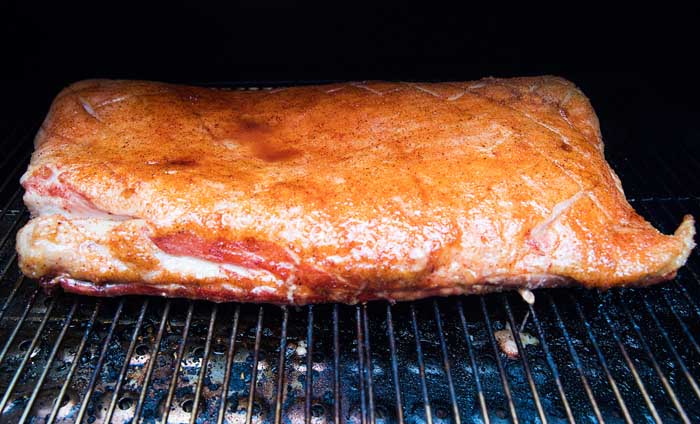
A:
(618, 356)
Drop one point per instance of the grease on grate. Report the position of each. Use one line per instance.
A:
(527, 295)
(507, 344)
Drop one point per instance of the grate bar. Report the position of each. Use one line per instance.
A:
(279, 396)
(308, 382)
(551, 363)
(514, 330)
(25, 359)
(6, 209)
(20, 321)
(254, 371)
(361, 365)
(682, 324)
(368, 363)
(336, 364)
(11, 295)
(100, 361)
(632, 368)
(17, 147)
(10, 134)
(446, 363)
(472, 360)
(75, 363)
(690, 265)
(9, 264)
(674, 352)
(64, 329)
(686, 295)
(394, 364)
(664, 381)
(13, 227)
(421, 367)
(576, 359)
(125, 365)
(668, 171)
(671, 173)
(177, 361)
(501, 371)
(21, 164)
(229, 363)
(6, 159)
(604, 364)
(205, 361)
(11, 200)
(151, 362)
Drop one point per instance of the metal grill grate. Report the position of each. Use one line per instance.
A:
(618, 356)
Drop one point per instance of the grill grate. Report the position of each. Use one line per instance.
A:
(619, 356)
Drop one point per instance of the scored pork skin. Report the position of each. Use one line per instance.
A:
(345, 192)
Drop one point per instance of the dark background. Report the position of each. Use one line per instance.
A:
(637, 64)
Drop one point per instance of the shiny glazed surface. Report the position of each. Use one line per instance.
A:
(344, 192)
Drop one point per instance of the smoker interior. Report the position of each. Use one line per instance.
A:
(629, 355)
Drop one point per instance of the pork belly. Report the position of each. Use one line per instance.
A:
(344, 192)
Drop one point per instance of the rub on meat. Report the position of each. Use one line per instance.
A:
(345, 192)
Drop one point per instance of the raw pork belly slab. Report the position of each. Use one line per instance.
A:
(344, 192)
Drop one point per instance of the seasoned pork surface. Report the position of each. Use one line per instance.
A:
(344, 192)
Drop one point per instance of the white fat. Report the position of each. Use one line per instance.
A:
(333, 90)
(263, 289)
(420, 256)
(417, 254)
(290, 292)
(112, 101)
(301, 348)
(43, 205)
(189, 266)
(97, 227)
(426, 90)
(82, 244)
(527, 295)
(89, 109)
(506, 341)
(557, 210)
(600, 206)
(531, 183)
(201, 269)
(370, 89)
(336, 259)
(230, 288)
(57, 252)
(293, 255)
(72, 206)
